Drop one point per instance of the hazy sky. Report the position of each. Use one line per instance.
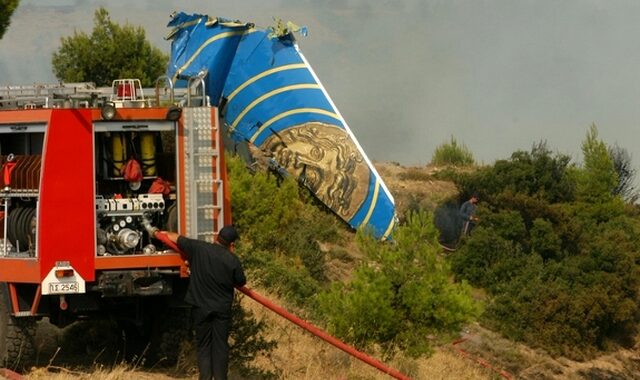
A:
(498, 75)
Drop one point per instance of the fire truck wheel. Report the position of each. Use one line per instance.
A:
(170, 334)
(11, 228)
(172, 218)
(17, 347)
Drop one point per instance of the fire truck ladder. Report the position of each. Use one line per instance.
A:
(45, 95)
(203, 187)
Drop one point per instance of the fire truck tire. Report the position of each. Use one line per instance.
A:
(21, 229)
(25, 221)
(30, 228)
(17, 346)
(11, 224)
(170, 333)
(172, 218)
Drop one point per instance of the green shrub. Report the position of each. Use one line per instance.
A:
(284, 275)
(281, 228)
(544, 240)
(626, 172)
(573, 307)
(401, 295)
(507, 224)
(452, 153)
(483, 260)
(247, 343)
(538, 174)
(556, 248)
(599, 179)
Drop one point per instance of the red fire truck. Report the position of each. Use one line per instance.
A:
(88, 174)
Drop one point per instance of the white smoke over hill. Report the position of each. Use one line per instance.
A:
(498, 75)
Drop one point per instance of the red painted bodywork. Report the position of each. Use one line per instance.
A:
(66, 217)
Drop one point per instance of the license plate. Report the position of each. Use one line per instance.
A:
(64, 287)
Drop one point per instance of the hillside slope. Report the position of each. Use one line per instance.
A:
(482, 354)
(416, 187)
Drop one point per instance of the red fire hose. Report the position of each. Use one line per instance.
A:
(478, 360)
(304, 324)
(10, 375)
(7, 168)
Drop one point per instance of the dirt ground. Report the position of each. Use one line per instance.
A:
(415, 186)
(483, 355)
(299, 355)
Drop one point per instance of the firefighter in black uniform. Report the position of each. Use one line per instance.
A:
(215, 271)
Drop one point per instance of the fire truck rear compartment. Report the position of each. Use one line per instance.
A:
(120, 207)
(123, 207)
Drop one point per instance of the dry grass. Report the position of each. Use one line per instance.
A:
(65, 354)
(120, 372)
(415, 186)
(302, 356)
(524, 362)
(445, 364)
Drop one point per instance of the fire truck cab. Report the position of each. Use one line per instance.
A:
(87, 174)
